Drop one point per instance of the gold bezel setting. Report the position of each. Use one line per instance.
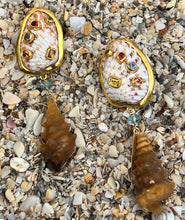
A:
(50, 53)
(121, 57)
(37, 25)
(137, 81)
(30, 39)
(52, 67)
(114, 81)
(130, 69)
(108, 53)
(121, 104)
(49, 20)
(27, 54)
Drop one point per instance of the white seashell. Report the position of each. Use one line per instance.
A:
(180, 62)
(29, 203)
(10, 99)
(19, 148)
(80, 142)
(171, 4)
(9, 195)
(169, 101)
(4, 26)
(50, 194)
(47, 210)
(19, 164)
(37, 125)
(125, 74)
(166, 214)
(31, 116)
(108, 194)
(3, 72)
(40, 43)
(16, 74)
(111, 183)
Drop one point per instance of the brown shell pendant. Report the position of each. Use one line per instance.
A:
(59, 142)
(149, 177)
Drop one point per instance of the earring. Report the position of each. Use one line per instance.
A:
(39, 52)
(127, 81)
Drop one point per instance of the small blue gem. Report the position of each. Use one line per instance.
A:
(133, 118)
(132, 65)
(27, 36)
(46, 85)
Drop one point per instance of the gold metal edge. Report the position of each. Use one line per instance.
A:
(150, 75)
(60, 44)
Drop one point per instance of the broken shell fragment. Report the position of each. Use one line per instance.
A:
(126, 76)
(40, 43)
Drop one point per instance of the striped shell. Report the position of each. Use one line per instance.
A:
(40, 43)
(125, 74)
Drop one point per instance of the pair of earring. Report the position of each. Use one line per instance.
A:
(127, 81)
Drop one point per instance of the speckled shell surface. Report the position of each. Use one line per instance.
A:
(125, 74)
(40, 47)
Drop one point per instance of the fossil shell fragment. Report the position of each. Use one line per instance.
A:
(40, 42)
(149, 176)
(59, 142)
(125, 74)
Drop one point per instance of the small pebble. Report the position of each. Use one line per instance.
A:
(10, 99)
(86, 28)
(177, 31)
(77, 198)
(19, 164)
(74, 112)
(177, 179)
(77, 22)
(159, 25)
(103, 127)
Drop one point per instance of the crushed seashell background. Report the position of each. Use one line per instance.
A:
(29, 190)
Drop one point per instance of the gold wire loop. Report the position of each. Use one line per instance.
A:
(136, 130)
(130, 111)
(44, 77)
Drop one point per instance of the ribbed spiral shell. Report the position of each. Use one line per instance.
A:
(149, 176)
(59, 142)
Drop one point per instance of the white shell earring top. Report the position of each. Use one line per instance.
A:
(40, 43)
(125, 74)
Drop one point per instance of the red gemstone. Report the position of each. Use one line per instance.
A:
(121, 56)
(35, 23)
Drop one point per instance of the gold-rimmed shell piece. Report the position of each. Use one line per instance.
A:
(133, 70)
(35, 23)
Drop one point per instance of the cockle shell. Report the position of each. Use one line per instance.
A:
(125, 74)
(40, 43)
